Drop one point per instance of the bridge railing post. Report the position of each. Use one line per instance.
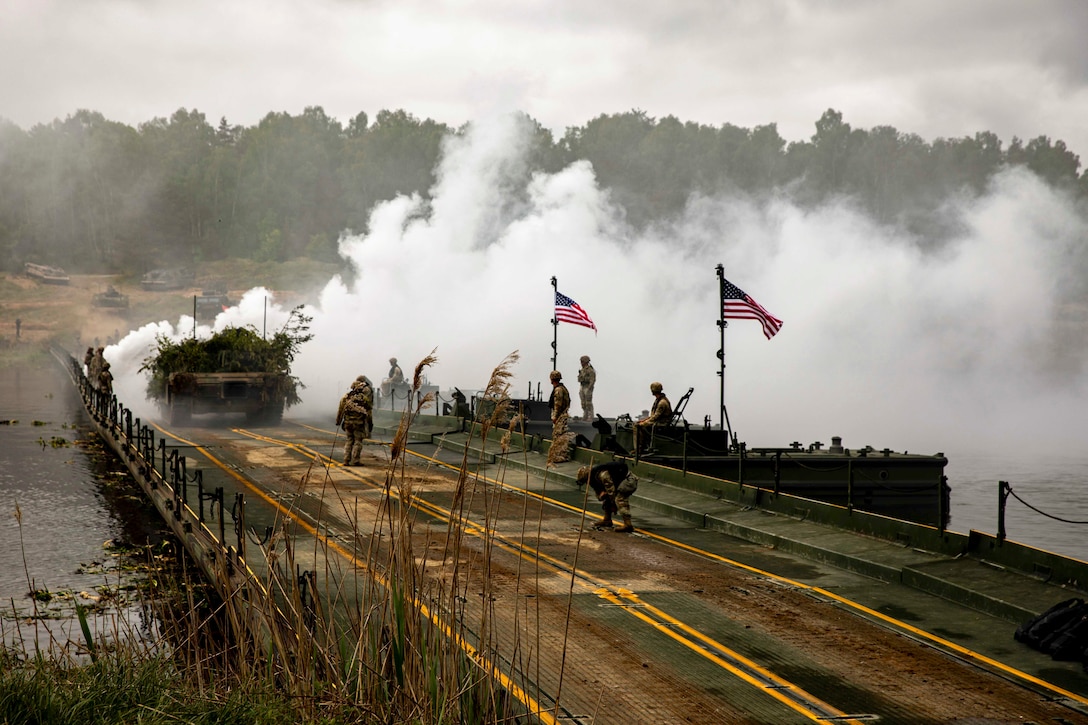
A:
(1002, 498)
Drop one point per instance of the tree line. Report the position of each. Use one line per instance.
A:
(94, 195)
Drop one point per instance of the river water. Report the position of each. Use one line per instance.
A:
(73, 523)
(78, 508)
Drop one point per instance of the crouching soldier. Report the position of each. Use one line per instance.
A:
(614, 484)
(354, 415)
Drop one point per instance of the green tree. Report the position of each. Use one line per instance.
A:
(289, 175)
(397, 154)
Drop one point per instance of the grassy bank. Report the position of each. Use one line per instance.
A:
(120, 688)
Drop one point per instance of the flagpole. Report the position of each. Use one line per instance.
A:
(555, 327)
(723, 414)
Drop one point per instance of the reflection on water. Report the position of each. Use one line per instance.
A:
(68, 508)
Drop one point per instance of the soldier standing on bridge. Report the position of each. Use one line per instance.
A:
(613, 483)
(96, 367)
(354, 415)
(367, 397)
(560, 405)
(587, 378)
(105, 379)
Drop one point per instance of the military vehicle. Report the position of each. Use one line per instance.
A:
(236, 370)
(211, 302)
(110, 298)
(261, 396)
(46, 274)
(166, 279)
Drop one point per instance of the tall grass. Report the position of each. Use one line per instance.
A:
(377, 632)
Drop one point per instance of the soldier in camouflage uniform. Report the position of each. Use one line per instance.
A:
(613, 484)
(354, 415)
(96, 367)
(660, 414)
(368, 403)
(560, 401)
(587, 378)
(105, 379)
(394, 380)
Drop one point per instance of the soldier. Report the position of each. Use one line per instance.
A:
(395, 379)
(661, 411)
(560, 400)
(87, 358)
(587, 378)
(96, 366)
(613, 483)
(105, 379)
(354, 415)
(660, 414)
(367, 398)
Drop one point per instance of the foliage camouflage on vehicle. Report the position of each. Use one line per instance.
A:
(232, 350)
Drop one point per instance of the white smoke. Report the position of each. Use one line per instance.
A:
(882, 344)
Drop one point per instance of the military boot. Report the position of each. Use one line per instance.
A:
(627, 527)
(605, 522)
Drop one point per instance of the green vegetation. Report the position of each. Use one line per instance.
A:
(120, 688)
(234, 349)
(94, 195)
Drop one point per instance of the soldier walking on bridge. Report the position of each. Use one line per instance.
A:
(354, 416)
(613, 483)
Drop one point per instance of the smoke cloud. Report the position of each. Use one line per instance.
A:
(968, 348)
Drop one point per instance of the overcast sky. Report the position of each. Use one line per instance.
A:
(938, 68)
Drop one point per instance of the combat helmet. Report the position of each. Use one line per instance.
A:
(555, 376)
(655, 388)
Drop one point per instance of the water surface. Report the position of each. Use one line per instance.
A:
(68, 508)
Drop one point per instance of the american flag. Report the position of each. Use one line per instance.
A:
(739, 306)
(567, 310)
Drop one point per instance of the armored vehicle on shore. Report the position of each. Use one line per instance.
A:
(234, 371)
(110, 298)
(166, 279)
(211, 302)
(46, 274)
